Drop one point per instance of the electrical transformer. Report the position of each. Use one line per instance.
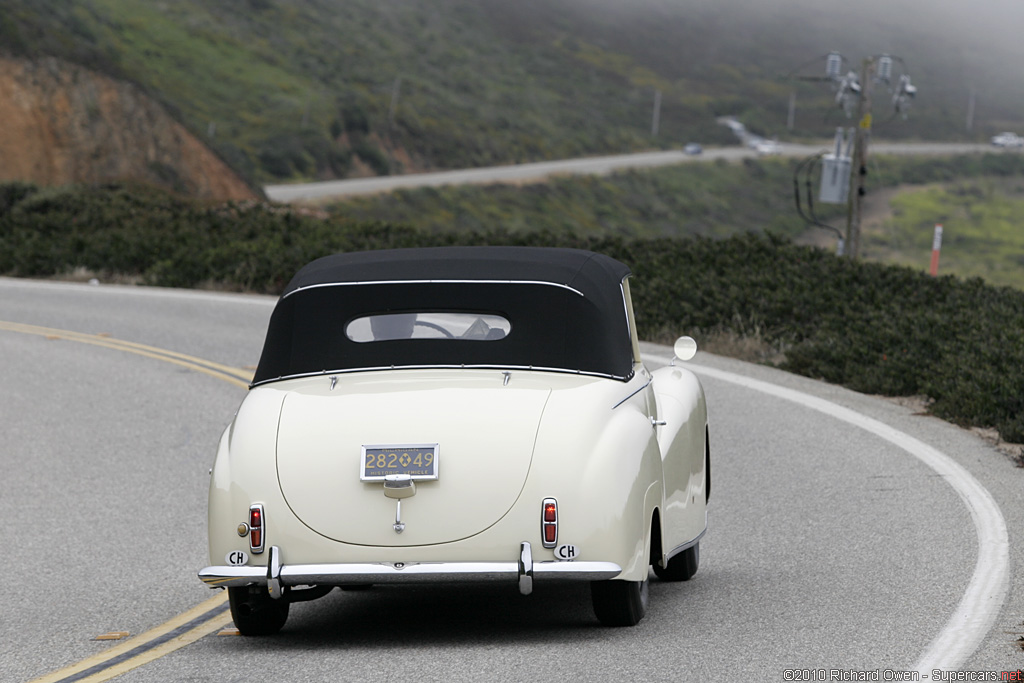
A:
(835, 171)
(835, 179)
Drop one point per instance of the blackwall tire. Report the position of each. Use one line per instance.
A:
(254, 612)
(619, 603)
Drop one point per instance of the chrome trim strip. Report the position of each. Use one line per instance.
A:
(274, 573)
(576, 571)
(689, 544)
(625, 311)
(427, 572)
(219, 577)
(647, 384)
(525, 569)
(380, 368)
(433, 282)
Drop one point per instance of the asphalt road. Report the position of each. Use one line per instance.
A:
(534, 172)
(838, 538)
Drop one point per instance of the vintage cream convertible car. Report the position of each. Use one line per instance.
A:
(458, 414)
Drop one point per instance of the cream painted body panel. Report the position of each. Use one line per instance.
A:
(681, 405)
(592, 446)
(485, 434)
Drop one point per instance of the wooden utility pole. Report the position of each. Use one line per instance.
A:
(860, 159)
(656, 117)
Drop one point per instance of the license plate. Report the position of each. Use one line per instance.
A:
(417, 461)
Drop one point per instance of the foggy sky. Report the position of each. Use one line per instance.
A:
(977, 43)
(975, 24)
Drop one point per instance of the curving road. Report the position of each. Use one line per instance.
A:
(603, 165)
(846, 532)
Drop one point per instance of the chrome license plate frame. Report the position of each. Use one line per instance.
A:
(418, 461)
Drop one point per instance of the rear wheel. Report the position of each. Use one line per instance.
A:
(619, 603)
(254, 612)
(682, 567)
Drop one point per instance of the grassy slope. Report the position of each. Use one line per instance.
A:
(303, 88)
(982, 234)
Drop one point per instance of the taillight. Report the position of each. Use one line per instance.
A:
(549, 522)
(256, 528)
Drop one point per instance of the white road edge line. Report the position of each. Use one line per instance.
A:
(987, 589)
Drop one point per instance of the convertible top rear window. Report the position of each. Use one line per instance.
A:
(551, 309)
(428, 325)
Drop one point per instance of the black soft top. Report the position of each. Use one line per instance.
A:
(565, 306)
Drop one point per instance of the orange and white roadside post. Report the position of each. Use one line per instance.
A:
(936, 247)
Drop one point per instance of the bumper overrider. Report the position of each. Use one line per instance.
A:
(275, 576)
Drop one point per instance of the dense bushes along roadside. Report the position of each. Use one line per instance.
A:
(873, 328)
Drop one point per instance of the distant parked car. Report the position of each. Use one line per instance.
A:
(693, 149)
(1008, 140)
(458, 414)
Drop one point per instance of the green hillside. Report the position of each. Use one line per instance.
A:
(309, 89)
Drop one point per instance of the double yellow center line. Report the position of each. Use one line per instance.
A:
(188, 627)
(235, 376)
(184, 629)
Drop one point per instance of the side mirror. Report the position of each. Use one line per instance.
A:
(685, 348)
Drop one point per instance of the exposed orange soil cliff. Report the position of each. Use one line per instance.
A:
(61, 123)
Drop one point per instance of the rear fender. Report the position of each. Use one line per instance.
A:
(244, 471)
(609, 473)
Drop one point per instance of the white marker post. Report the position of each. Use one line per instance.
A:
(936, 247)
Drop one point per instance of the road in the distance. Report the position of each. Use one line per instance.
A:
(603, 165)
(828, 546)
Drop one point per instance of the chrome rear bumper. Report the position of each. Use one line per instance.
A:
(276, 575)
